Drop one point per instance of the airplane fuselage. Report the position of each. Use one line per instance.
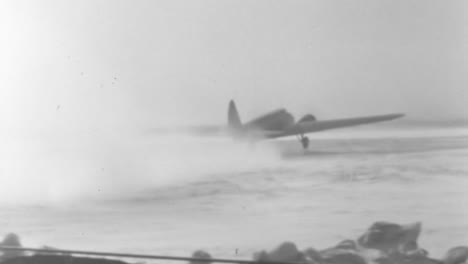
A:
(278, 120)
(280, 123)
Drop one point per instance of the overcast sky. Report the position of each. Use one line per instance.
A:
(75, 64)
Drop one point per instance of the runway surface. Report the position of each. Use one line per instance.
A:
(156, 196)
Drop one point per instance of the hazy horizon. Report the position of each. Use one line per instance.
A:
(71, 65)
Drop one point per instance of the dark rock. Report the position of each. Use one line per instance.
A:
(409, 247)
(390, 237)
(313, 255)
(56, 259)
(399, 258)
(418, 252)
(456, 255)
(287, 251)
(200, 254)
(346, 252)
(344, 258)
(347, 244)
(10, 240)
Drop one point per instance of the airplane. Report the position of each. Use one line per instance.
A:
(280, 123)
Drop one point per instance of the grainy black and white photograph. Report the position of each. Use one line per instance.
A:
(233, 131)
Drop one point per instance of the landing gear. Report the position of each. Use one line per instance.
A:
(304, 141)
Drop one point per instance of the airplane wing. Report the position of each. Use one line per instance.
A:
(315, 126)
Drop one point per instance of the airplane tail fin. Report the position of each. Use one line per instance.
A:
(234, 121)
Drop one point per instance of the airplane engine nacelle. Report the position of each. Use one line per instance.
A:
(307, 118)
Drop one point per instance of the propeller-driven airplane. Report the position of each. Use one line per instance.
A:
(280, 123)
